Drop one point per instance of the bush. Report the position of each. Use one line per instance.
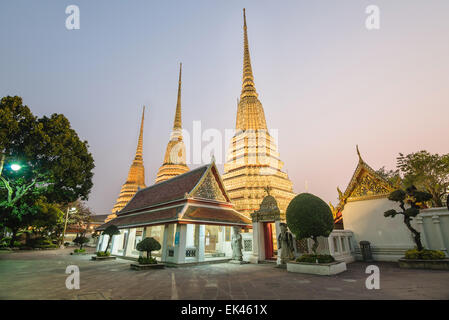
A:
(48, 246)
(309, 217)
(79, 250)
(148, 245)
(312, 258)
(5, 242)
(103, 254)
(81, 240)
(150, 260)
(415, 254)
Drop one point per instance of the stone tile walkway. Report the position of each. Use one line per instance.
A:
(41, 275)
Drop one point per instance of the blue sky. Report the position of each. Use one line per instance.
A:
(325, 81)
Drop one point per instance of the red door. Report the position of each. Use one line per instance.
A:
(268, 237)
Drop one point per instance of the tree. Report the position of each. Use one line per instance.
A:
(111, 231)
(81, 216)
(393, 176)
(425, 171)
(414, 199)
(81, 240)
(56, 164)
(148, 245)
(309, 217)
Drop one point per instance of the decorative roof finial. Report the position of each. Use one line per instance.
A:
(268, 189)
(139, 151)
(358, 152)
(178, 122)
(212, 157)
(248, 88)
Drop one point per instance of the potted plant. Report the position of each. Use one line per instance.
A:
(148, 245)
(418, 258)
(111, 231)
(310, 217)
(80, 240)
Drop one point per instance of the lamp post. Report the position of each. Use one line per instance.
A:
(65, 225)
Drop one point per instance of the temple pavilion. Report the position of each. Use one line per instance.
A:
(191, 215)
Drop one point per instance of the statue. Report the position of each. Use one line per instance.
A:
(285, 243)
(236, 245)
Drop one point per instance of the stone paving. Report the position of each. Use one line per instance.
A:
(41, 275)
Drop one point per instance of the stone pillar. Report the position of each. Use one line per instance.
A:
(255, 254)
(164, 246)
(200, 230)
(99, 243)
(126, 233)
(261, 241)
(180, 247)
(439, 234)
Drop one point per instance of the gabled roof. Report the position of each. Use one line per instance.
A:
(365, 184)
(197, 196)
(170, 190)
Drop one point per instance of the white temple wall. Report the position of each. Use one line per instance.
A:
(433, 223)
(389, 237)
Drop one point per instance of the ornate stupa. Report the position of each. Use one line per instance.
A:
(175, 154)
(253, 161)
(136, 177)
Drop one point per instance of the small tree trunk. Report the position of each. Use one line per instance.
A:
(315, 245)
(416, 234)
(148, 254)
(13, 237)
(107, 247)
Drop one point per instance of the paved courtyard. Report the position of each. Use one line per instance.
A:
(41, 275)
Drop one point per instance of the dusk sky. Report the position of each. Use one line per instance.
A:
(326, 82)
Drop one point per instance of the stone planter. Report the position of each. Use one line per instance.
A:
(440, 264)
(102, 258)
(137, 266)
(325, 269)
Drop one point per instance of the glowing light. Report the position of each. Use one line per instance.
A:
(16, 167)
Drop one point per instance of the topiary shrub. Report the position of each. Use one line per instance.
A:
(81, 240)
(148, 245)
(314, 258)
(414, 199)
(309, 217)
(415, 254)
(143, 260)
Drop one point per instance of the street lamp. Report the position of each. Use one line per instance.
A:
(16, 167)
(65, 224)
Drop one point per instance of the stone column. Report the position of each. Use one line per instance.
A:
(164, 247)
(99, 243)
(128, 235)
(180, 247)
(255, 254)
(439, 233)
(200, 230)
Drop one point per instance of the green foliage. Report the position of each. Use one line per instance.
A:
(309, 217)
(148, 260)
(111, 230)
(415, 254)
(414, 199)
(81, 240)
(148, 245)
(312, 258)
(103, 254)
(79, 250)
(426, 171)
(56, 166)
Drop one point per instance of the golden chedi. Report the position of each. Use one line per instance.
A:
(253, 162)
(136, 177)
(175, 154)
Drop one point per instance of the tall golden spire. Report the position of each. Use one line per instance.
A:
(175, 155)
(135, 179)
(177, 125)
(250, 113)
(248, 88)
(253, 161)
